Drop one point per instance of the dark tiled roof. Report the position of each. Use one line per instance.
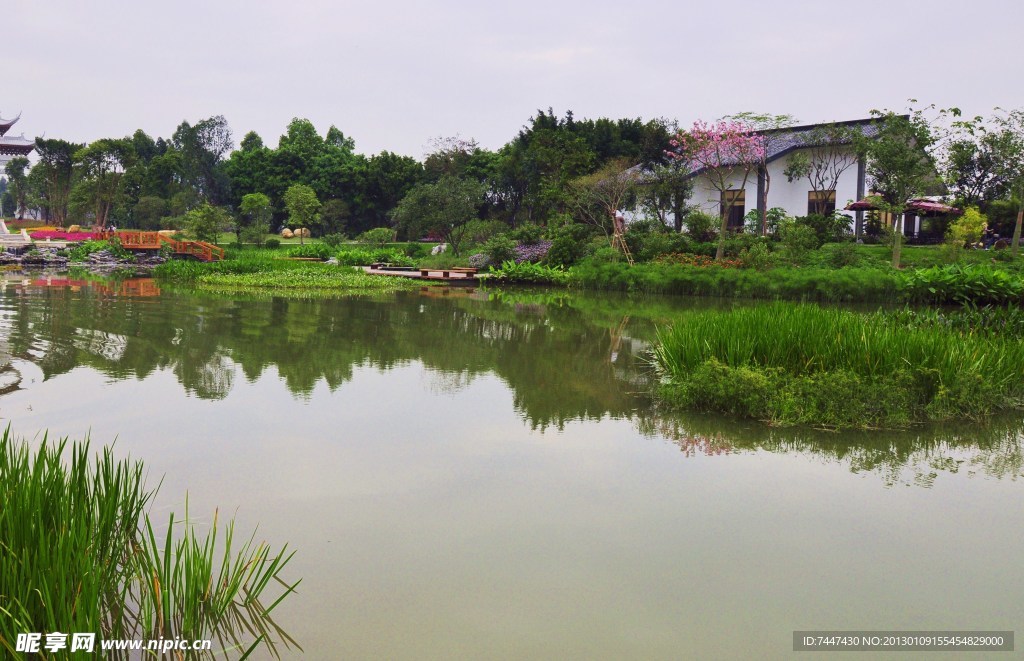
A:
(782, 141)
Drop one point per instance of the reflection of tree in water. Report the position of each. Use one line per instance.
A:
(441, 382)
(563, 357)
(554, 358)
(915, 457)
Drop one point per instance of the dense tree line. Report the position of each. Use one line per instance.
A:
(544, 175)
(141, 182)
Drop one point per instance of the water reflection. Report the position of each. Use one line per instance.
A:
(563, 357)
(909, 457)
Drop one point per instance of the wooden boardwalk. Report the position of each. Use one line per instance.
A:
(459, 276)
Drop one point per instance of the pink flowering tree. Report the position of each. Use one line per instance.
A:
(725, 153)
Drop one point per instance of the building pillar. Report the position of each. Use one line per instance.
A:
(858, 225)
(760, 195)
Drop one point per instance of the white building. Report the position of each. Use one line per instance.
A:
(839, 174)
(841, 181)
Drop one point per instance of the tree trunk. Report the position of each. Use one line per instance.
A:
(1016, 232)
(764, 203)
(720, 253)
(897, 240)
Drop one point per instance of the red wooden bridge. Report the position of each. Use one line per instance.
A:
(135, 240)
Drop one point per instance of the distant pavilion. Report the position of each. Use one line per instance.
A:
(10, 146)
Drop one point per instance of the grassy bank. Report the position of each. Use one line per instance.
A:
(802, 364)
(977, 284)
(249, 270)
(80, 554)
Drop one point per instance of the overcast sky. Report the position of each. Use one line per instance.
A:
(394, 75)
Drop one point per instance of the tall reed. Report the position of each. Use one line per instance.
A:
(78, 553)
(934, 371)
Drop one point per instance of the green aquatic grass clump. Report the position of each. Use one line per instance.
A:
(257, 270)
(324, 277)
(803, 364)
(78, 553)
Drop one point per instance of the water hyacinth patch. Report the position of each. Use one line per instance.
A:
(532, 252)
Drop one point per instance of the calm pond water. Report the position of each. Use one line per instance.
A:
(481, 475)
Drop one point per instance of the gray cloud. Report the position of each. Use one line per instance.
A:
(394, 75)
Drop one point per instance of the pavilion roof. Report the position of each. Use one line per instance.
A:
(6, 124)
(19, 145)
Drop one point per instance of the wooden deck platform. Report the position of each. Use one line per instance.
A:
(459, 276)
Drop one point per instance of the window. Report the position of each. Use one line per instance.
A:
(821, 202)
(734, 205)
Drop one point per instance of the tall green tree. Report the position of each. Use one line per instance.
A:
(900, 165)
(254, 214)
(17, 179)
(203, 148)
(206, 222)
(56, 176)
(443, 208)
(103, 164)
(303, 207)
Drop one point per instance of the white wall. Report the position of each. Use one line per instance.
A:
(791, 196)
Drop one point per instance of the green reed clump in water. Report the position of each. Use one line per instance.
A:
(803, 364)
(258, 270)
(78, 554)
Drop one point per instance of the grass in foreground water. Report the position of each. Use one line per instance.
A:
(803, 364)
(78, 553)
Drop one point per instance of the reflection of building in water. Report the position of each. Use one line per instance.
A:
(129, 287)
(10, 377)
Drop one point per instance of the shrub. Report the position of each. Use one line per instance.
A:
(479, 260)
(758, 256)
(366, 256)
(830, 227)
(797, 241)
(701, 226)
(378, 236)
(569, 244)
(840, 255)
(968, 228)
(478, 232)
(499, 249)
(317, 249)
(974, 284)
(527, 233)
(774, 216)
(528, 272)
(272, 243)
(851, 284)
(703, 261)
(333, 240)
(648, 245)
(532, 252)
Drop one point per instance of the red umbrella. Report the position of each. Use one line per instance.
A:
(869, 203)
(916, 207)
(923, 207)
